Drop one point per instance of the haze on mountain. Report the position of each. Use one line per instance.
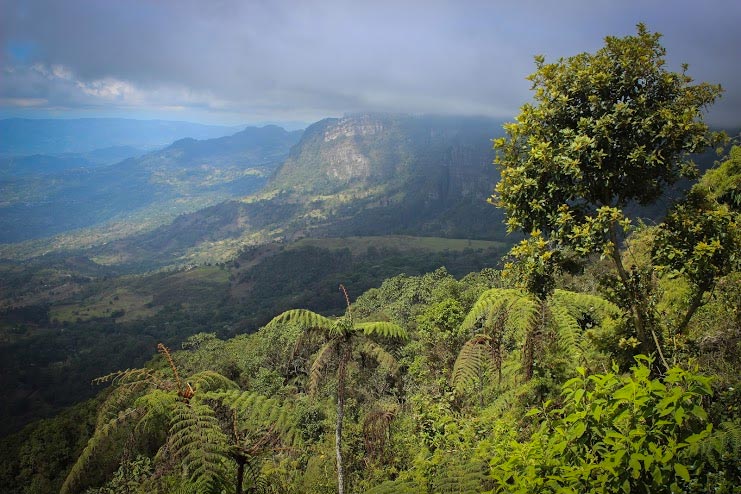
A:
(46, 195)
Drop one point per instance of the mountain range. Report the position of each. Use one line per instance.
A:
(21, 136)
(356, 175)
(47, 195)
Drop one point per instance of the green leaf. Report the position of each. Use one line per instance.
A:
(679, 416)
(579, 430)
(682, 471)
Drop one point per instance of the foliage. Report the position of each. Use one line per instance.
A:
(606, 130)
(181, 419)
(343, 336)
(376, 398)
(508, 318)
(616, 433)
(699, 240)
(724, 182)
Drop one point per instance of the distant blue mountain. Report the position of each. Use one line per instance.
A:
(46, 195)
(19, 136)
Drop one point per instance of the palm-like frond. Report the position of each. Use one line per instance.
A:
(377, 432)
(490, 300)
(71, 483)
(568, 331)
(119, 398)
(198, 441)
(521, 309)
(258, 412)
(384, 358)
(304, 318)
(474, 357)
(206, 381)
(382, 328)
(581, 304)
(320, 362)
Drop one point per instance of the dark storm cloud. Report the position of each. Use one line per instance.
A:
(250, 60)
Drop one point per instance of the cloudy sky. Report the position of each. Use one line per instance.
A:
(235, 62)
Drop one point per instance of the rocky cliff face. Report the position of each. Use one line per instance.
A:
(443, 158)
(356, 175)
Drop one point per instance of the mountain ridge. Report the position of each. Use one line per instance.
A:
(199, 172)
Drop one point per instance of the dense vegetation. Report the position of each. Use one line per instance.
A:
(604, 358)
(422, 429)
(63, 317)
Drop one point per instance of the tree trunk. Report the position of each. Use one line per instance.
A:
(635, 298)
(341, 374)
(695, 304)
(240, 474)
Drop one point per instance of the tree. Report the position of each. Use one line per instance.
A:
(606, 130)
(502, 313)
(180, 417)
(343, 337)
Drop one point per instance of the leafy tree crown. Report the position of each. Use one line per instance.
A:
(605, 129)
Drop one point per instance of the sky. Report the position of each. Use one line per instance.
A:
(235, 62)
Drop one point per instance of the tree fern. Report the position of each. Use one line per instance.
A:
(342, 335)
(179, 412)
(499, 312)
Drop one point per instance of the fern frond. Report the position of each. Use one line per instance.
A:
(522, 316)
(119, 399)
(722, 445)
(320, 362)
(382, 328)
(258, 412)
(377, 431)
(197, 439)
(568, 330)
(490, 300)
(463, 477)
(305, 319)
(380, 355)
(580, 304)
(397, 487)
(472, 359)
(71, 483)
(136, 377)
(207, 380)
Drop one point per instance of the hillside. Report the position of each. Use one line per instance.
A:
(44, 196)
(408, 175)
(59, 316)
